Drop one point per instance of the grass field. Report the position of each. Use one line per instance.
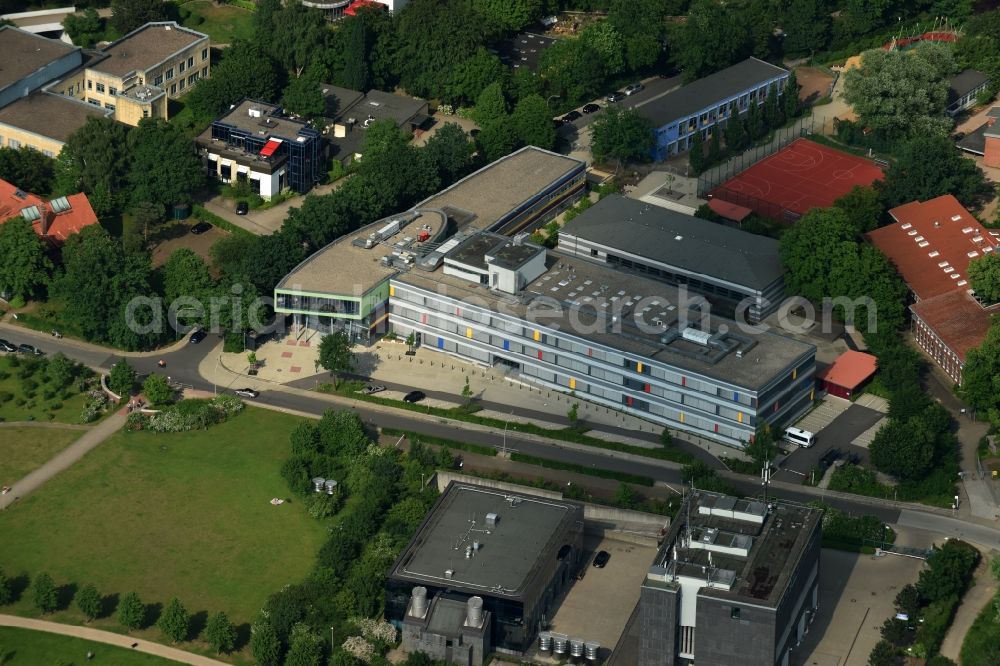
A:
(37, 408)
(24, 450)
(31, 648)
(164, 515)
(223, 24)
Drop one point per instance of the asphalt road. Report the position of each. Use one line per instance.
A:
(838, 435)
(654, 88)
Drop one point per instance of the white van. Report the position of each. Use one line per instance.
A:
(803, 438)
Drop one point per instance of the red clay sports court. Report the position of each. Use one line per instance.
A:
(801, 176)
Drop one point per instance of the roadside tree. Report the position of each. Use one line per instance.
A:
(25, 268)
(157, 390)
(131, 612)
(43, 593)
(624, 136)
(532, 119)
(88, 600)
(221, 633)
(335, 355)
(121, 379)
(175, 621)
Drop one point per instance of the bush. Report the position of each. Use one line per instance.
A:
(937, 618)
(187, 415)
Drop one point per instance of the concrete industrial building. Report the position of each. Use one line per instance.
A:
(703, 104)
(483, 570)
(932, 244)
(735, 582)
(255, 142)
(733, 269)
(449, 274)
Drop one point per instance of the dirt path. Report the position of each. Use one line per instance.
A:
(71, 454)
(98, 636)
(979, 595)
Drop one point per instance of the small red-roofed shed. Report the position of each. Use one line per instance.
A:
(847, 374)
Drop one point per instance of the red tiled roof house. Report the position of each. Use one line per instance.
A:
(54, 221)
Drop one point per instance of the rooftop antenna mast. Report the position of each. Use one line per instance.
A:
(765, 477)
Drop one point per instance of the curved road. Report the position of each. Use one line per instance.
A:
(109, 638)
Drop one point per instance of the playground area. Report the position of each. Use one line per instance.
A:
(802, 176)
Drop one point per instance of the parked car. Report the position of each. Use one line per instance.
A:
(198, 336)
(601, 560)
(200, 228)
(247, 393)
(29, 349)
(7, 347)
(368, 390)
(558, 122)
(633, 88)
(571, 116)
(616, 96)
(591, 108)
(242, 208)
(414, 396)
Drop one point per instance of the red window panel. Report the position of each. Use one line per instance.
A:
(646, 388)
(539, 354)
(716, 427)
(590, 352)
(629, 399)
(423, 319)
(458, 311)
(684, 381)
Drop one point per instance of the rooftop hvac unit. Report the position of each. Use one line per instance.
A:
(254, 112)
(696, 336)
(492, 519)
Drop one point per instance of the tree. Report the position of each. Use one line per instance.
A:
(496, 139)
(86, 28)
(773, 117)
(508, 16)
(335, 355)
(131, 612)
(264, 644)
(6, 593)
(984, 275)
(980, 384)
(713, 38)
(121, 379)
(88, 600)
(127, 15)
(43, 593)
(304, 97)
(572, 70)
(896, 632)
(901, 94)
(246, 71)
(715, 146)
(763, 448)
(25, 267)
(164, 168)
(607, 42)
(60, 371)
(175, 622)
(28, 169)
(696, 153)
(627, 497)
(928, 166)
(532, 120)
(622, 135)
(736, 137)
(863, 208)
(903, 449)
(491, 105)
(294, 35)
(908, 600)
(92, 161)
(157, 390)
(471, 76)
(432, 35)
(755, 122)
(790, 97)
(220, 633)
(185, 274)
(304, 647)
(948, 572)
(451, 152)
(884, 654)
(806, 26)
(640, 23)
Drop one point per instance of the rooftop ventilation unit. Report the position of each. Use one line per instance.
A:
(492, 519)
(696, 336)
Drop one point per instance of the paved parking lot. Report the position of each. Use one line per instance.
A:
(839, 433)
(856, 594)
(824, 414)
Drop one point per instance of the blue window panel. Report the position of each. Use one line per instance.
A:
(736, 396)
(440, 343)
(506, 345)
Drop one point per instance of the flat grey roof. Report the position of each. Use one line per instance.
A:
(707, 91)
(50, 115)
(270, 121)
(147, 46)
(25, 53)
(965, 82)
(675, 239)
(528, 531)
(338, 99)
(617, 310)
(761, 577)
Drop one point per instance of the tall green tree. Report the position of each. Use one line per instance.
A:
(491, 105)
(131, 612)
(303, 96)
(622, 135)
(984, 275)
(220, 633)
(772, 109)
(6, 593)
(902, 93)
(246, 71)
(156, 390)
(25, 268)
(981, 375)
(121, 379)
(356, 43)
(609, 45)
(88, 600)
(755, 122)
(43, 593)
(928, 166)
(127, 15)
(790, 97)
(696, 153)
(86, 28)
(175, 621)
(496, 140)
(93, 160)
(713, 38)
(903, 449)
(185, 274)
(641, 25)
(509, 16)
(163, 165)
(431, 36)
(736, 137)
(27, 169)
(806, 27)
(335, 355)
(863, 207)
(533, 120)
(451, 152)
(572, 70)
(264, 643)
(471, 76)
(304, 647)
(294, 35)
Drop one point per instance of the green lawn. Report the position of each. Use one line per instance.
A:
(62, 407)
(164, 515)
(31, 648)
(224, 24)
(24, 450)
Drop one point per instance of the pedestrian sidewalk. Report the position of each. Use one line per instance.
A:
(980, 593)
(108, 638)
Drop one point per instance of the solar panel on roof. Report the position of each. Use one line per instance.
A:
(31, 213)
(60, 204)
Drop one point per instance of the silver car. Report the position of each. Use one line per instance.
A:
(632, 89)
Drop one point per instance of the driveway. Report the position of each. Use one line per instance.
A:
(839, 434)
(266, 220)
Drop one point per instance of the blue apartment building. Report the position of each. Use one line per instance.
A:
(702, 104)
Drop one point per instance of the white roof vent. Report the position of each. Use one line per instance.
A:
(972, 255)
(906, 225)
(956, 218)
(968, 230)
(933, 254)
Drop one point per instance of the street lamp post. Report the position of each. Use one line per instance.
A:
(506, 423)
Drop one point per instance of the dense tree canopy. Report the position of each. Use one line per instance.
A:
(928, 166)
(93, 161)
(432, 36)
(127, 15)
(713, 38)
(163, 166)
(245, 71)
(622, 135)
(25, 268)
(532, 118)
(302, 96)
(981, 375)
(27, 169)
(984, 275)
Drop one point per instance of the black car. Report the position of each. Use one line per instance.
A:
(198, 336)
(242, 208)
(602, 559)
(590, 108)
(28, 349)
(414, 396)
(616, 96)
(7, 347)
(247, 393)
(200, 228)
(571, 116)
